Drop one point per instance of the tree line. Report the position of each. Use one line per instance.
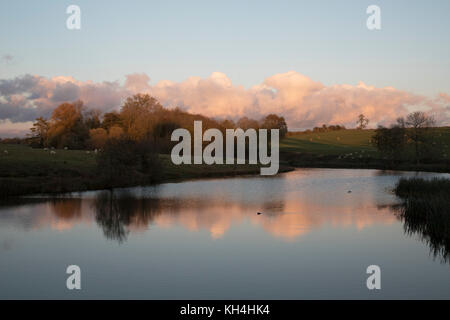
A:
(140, 118)
(129, 139)
(414, 131)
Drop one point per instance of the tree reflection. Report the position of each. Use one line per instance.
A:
(116, 211)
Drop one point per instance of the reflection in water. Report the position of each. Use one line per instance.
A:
(204, 239)
(116, 211)
(119, 212)
(433, 227)
(292, 205)
(289, 209)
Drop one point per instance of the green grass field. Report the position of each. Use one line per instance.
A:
(348, 141)
(24, 170)
(352, 149)
(23, 161)
(330, 143)
(354, 144)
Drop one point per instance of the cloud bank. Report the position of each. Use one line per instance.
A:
(302, 101)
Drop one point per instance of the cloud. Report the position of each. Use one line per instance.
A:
(9, 129)
(302, 101)
(444, 97)
(28, 97)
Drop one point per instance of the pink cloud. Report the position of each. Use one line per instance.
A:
(302, 101)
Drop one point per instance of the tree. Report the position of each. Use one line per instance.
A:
(98, 138)
(111, 119)
(162, 132)
(228, 124)
(92, 118)
(362, 122)
(418, 123)
(125, 160)
(115, 132)
(67, 126)
(138, 116)
(40, 131)
(390, 141)
(272, 121)
(245, 123)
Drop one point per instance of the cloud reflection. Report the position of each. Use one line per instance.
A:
(120, 213)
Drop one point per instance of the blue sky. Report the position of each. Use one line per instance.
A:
(247, 40)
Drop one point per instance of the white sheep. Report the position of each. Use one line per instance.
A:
(5, 152)
(52, 152)
(65, 148)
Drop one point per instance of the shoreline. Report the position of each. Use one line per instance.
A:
(29, 171)
(11, 187)
(73, 185)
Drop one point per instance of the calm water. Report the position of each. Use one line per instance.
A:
(204, 240)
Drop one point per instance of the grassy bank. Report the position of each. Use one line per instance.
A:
(352, 149)
(24, 170)
(426, 211)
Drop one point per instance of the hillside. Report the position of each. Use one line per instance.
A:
(351, 148)
(331, 142)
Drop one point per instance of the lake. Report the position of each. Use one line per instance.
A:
(318, 231)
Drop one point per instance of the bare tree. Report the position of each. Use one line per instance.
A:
(362, 122)
(418, 122)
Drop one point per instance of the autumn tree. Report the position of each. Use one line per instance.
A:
(245, 123)
(138, 116)
(115, 132)
(272, 121)
(92, 118)
(111, 119)
(98, 138)
(227, 124)
(67, 127)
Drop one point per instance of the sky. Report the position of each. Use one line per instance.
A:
(302, 59)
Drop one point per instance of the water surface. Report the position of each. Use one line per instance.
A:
(318, 231)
